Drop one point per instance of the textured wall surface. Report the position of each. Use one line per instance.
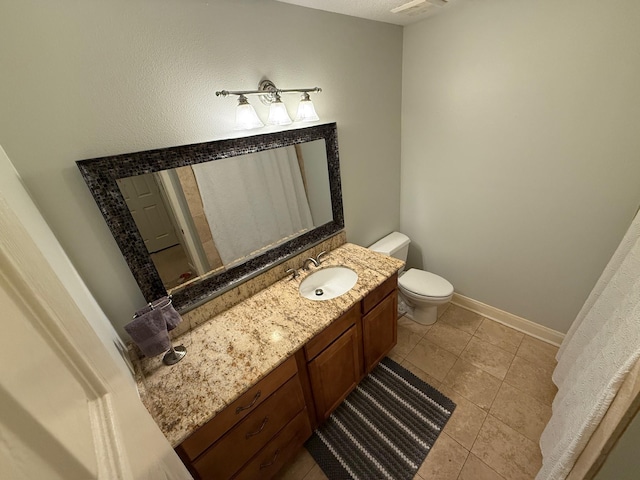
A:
(87, 79)
(520, 167)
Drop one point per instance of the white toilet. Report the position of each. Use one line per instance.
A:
(421, 290)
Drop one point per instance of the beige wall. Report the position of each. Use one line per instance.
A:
(87, 79)
(521, 148)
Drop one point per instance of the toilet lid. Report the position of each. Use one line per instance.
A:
(425, 283)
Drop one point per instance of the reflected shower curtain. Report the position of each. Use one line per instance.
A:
(253, 201)
(597, 353)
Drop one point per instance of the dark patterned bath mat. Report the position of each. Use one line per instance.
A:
(384, 429)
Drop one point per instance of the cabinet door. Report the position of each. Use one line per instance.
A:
(380, 330)
(335, 372)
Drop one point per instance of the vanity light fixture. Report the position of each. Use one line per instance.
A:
(246, 117)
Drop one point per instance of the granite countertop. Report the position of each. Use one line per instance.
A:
(235, 349)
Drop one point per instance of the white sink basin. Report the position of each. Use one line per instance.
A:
(328, 283)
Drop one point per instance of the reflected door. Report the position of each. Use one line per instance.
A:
(145, 204)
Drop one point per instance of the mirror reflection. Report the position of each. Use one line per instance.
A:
(159, 170)
(199, 220)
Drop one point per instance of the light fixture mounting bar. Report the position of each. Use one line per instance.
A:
(267, 90)
(226, 93)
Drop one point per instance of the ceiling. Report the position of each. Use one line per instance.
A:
(410, 11)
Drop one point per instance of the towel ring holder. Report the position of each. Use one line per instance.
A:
(153, 307)
(175, 354)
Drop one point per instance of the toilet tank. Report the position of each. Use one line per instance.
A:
(395, 245)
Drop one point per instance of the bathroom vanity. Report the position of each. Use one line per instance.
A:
(269, 366)
(262, 375)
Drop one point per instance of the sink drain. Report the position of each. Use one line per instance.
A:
(319, 292)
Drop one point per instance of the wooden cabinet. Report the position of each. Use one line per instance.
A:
(379, 322)
(233, 450)
(261, 430)
(334, 359)
(352, 346)
(272, 413)
(379, 331)
(279, 450)
(335, 372)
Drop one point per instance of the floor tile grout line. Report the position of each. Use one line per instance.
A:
(445, 348)
(539, 364)
(490, 412)
(309, 471)
(478, 327)
(470, 401)
(494, 345)
(528, 395)
(480, 460)
(478, 434)
(481, 368)
(498, 346)
(503, 381)
(514, 430)
(534, 364)
(465, 449)
(428, 374)
(510, 428)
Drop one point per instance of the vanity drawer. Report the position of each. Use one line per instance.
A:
(279, 450)
(209, 433)
(379, 293)
(321, 341)
(233, 450)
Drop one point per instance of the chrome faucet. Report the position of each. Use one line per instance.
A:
(305, 265)
(318, 257)
(295, 273)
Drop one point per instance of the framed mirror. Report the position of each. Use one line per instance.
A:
(195, 220)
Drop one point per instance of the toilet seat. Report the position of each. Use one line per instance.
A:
(425, 284)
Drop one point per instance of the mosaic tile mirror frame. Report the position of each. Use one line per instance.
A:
(102, 176)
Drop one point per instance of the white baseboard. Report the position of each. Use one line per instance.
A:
(523, 325)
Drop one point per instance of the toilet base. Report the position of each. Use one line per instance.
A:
(425, 315)
(422, 314)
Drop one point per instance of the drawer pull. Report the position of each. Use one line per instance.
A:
(273, 460)
(264, 422)
(253, 402)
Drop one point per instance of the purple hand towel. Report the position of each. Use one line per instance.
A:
(168, 312)
(149, 332)
(150, 328)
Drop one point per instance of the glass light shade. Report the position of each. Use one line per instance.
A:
(306, 111)
(246, 116)
(278, 113)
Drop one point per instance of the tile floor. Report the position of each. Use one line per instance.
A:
(500, 380)
(171, 263)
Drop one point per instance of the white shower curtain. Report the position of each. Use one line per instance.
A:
(599, 350)
(253, 201)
